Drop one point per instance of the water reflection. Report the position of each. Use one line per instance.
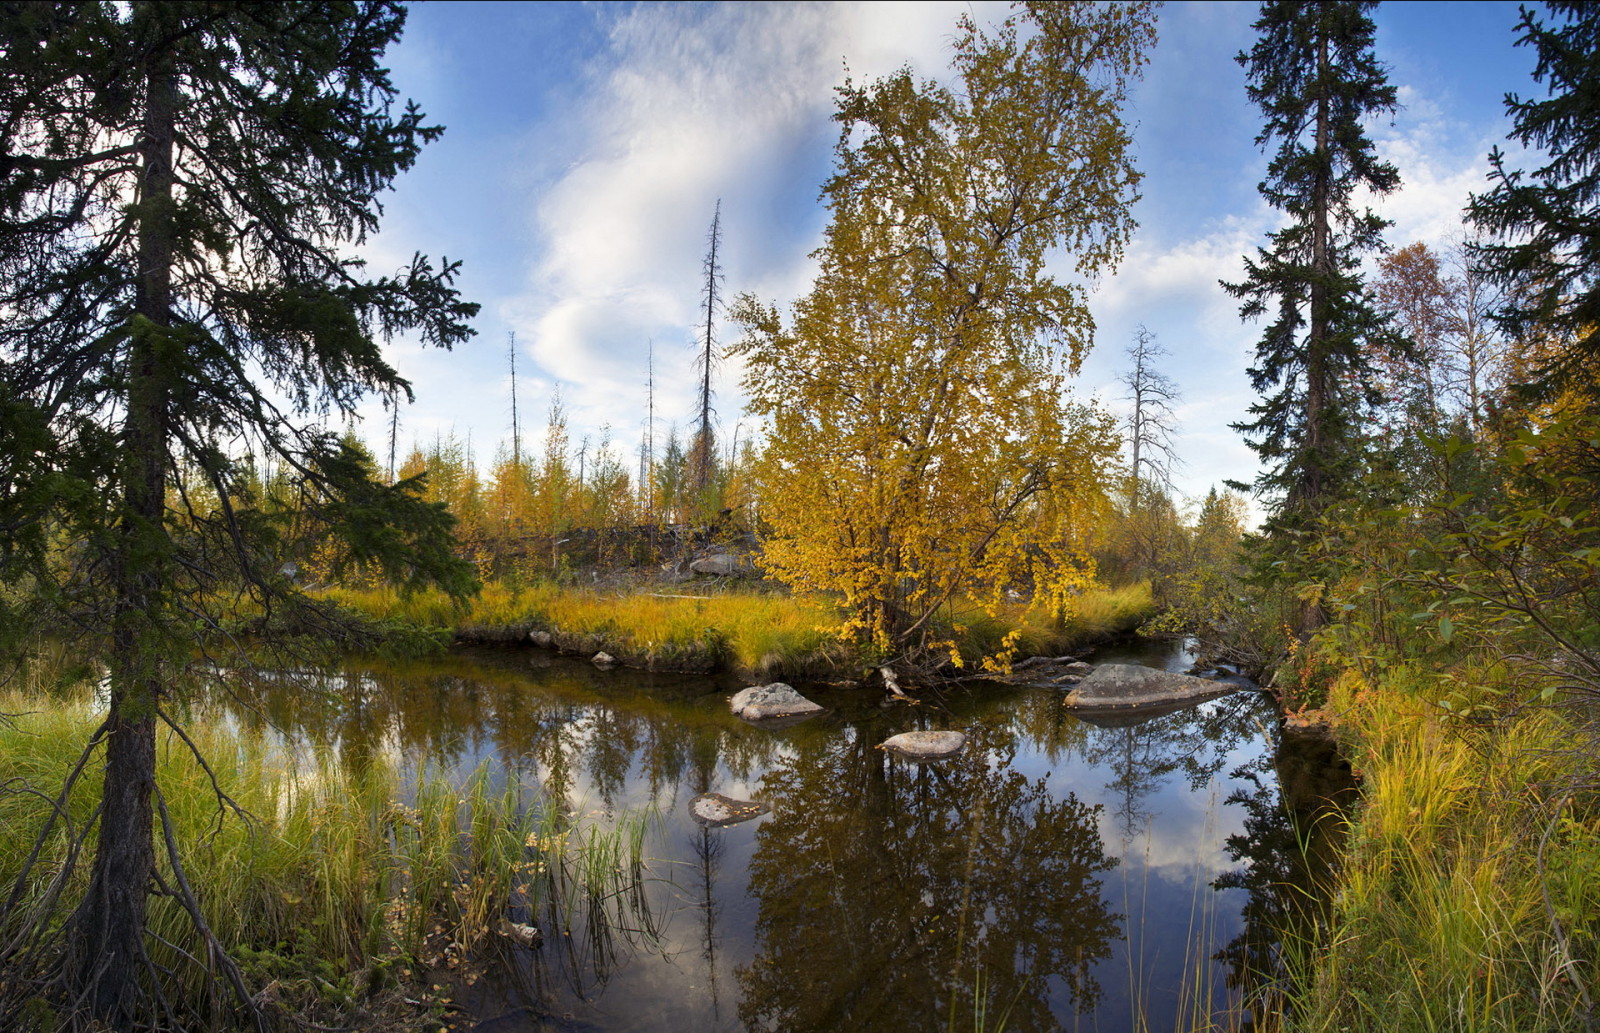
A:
(1294, 799)
(931, 891)
(1050, 875)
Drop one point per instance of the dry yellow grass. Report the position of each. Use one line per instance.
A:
(757, 632)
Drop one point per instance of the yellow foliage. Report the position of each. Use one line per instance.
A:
(920, 442)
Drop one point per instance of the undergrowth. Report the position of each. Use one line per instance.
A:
(1469, 895)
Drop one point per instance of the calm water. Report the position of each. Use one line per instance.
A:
(1057, 875)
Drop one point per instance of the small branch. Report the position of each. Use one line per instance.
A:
(223, 799)
(215, 952)
(59, 812)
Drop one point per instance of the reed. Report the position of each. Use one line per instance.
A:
(324, 882)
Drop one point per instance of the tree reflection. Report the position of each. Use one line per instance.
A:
(1294, 799)
(1142, 753)
(896, 897)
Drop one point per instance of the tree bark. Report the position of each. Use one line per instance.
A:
(108, 934)
(1317, 388)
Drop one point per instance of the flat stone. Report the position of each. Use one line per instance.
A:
(1046, 671)
(1129, 686)
(603, 659)
(719, 564)
(921, 746)
(762, 702)
(717, 811)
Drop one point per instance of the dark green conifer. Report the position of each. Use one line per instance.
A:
(1315, 77)
(1546, 224)
(180, 183)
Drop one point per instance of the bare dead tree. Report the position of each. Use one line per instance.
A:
(516, 425)
(703, 454)
(1475, 363)
(1152, 422)
(647, 441)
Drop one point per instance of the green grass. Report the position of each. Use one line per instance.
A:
(1096, 615)
(336, 884)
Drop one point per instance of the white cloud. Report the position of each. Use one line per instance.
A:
(1441, 163)
(617, 161)
(692, 105)
(1174, 292)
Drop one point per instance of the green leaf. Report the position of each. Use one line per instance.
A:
(1446, 629)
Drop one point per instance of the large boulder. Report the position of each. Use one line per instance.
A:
(720, 563)
(1125, 688)
(925, 746)
(765, 702)
(717, 811)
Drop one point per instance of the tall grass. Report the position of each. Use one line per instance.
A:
(760, 633)
(1196, 1006)
(757, 632)
(324, 881)
(1097, 614)
(1468, 897)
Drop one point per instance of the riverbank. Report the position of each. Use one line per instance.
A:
(759, 634)
(1468, 894)
(804, 880)
(351, 896)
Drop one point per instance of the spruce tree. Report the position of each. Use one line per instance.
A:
(180, 184)
(1315, 77)
(1547, 223)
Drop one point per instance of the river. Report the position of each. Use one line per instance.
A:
(1057, 875)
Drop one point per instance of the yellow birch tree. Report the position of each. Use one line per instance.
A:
(920, 442)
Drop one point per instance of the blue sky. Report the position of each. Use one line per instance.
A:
(587, 144)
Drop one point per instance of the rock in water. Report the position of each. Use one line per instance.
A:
(922, 746)
(522, 934)
(1054, 672)
(1043, 661)
(603, 659)
(1128, 686)
(717, 811)
(768, 701)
